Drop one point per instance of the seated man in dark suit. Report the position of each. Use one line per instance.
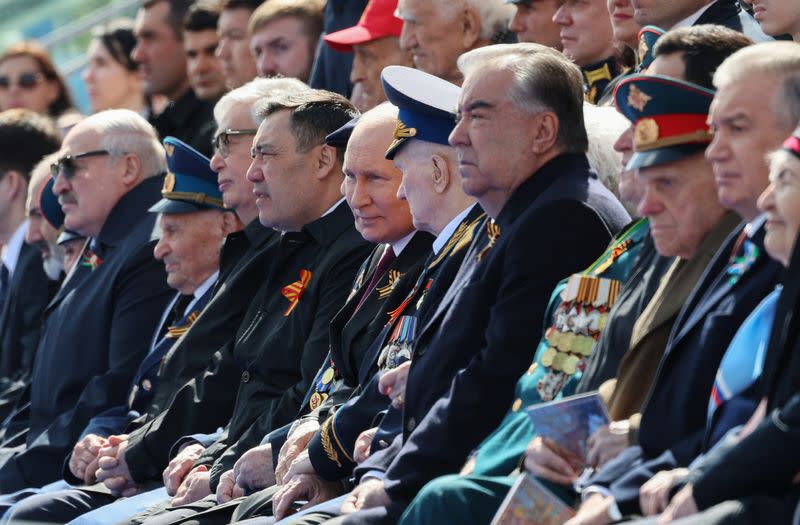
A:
(521, 149)
(98, 327)
(438, 205)
(25, 288)
(283, 338)
(192, 223)
(196, 352)
(675, 426)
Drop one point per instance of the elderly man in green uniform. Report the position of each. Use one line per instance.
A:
(556, 368)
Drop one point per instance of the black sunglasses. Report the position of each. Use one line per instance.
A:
(66, 165)
(25, 80)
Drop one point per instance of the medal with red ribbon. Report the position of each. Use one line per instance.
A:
(294, 291)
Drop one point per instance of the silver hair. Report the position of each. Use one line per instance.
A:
(125, 131)
(542, 80)
(494, 15)
(604, 125)
(766, 59)
(254, 91)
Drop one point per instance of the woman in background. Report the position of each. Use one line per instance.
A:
(28, 79)
(111, 76)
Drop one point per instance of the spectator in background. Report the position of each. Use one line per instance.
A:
(778, 17)
(329, 63)
(200, 43)
(625, 28)
(111, 76)
(588, 40)
(25, 137)
(162, 62)
(437, 32)
(375, 44)
(671, 15)
(283, 35)
(29, 79)
(533, 22)
(233, 49)
(40, 207)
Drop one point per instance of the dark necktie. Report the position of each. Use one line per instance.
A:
(176, 313)
(385, 261)
(4, 284)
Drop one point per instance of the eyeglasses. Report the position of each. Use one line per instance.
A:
(66, 165)
(25, 81)
(222, 142)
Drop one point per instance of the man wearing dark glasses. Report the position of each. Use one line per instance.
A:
(98, 327)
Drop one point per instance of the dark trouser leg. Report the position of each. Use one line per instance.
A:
(59, 507)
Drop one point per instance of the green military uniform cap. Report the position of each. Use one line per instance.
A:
(670, 118)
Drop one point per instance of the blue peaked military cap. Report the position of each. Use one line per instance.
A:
(669, 117)
(426, 106)
(340, 137)
(51, 211)
(190, 184)
(648, 36)
(49, 206)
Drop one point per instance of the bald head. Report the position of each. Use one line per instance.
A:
(371, 181)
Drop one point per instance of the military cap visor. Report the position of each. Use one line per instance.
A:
(426, 106)
(67, 235)
(340, 137)
(190, 184)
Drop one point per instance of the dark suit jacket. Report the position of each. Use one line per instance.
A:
(330, 451)
(767, 460)
(729, 13)
(474, 345)
(97, 330)
(277, 350)
(673, 425)
(21, 319)
(674, 416)
(189, 119)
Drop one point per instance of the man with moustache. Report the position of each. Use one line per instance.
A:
(193, 225)
(198, 351)
(108, 174)
(296, 181)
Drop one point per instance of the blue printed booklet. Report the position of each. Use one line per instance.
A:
(529, 502)
(568, 423)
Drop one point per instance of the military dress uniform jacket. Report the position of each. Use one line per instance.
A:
(474, 345)
(96, 331)
(283, 337)
(200, 353)
(330, 450)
